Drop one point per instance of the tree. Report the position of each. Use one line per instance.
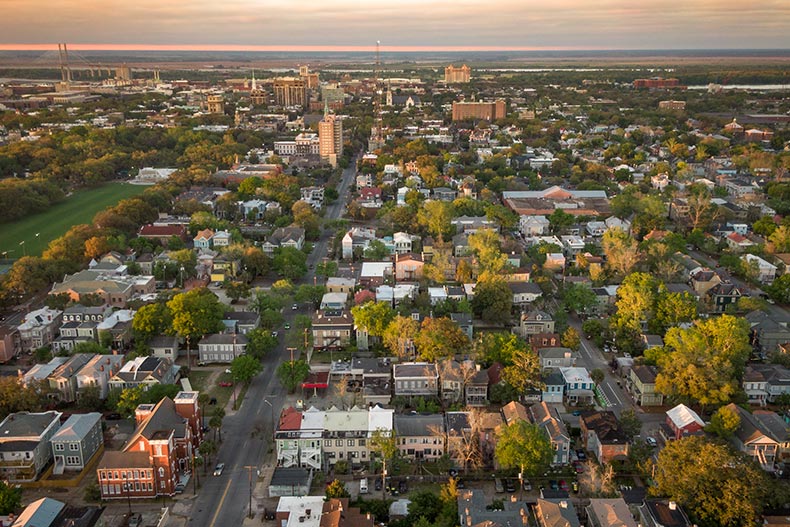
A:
(290, 263)
(207, 449)
(383, 445)
(597, 375)
(326, 269)
(292, 374)
(260, 342)
(484, 244)
(435, 217)
(152, 320)
(523, 445)
(622, 252)
(559, 220)
(10, 498)
(215, 422)
(570, 338)
(89, 398)
(706, 361)
(336, 489)
(310, 293)
(373, 317)
(440, 338)
(129, 400)
(255, 262)
(196, 313)
(524, 372)
(702, 211)
(724, 422)
(780, 239)
(715, 485)
(579, 298)
(779, 291)
(630, 423)
(244, 368)
(236, 290)
(493, 299)
(376, 250)
(636, 299)
(400, 335)
(673, 309)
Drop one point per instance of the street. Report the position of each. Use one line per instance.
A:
(247, 434)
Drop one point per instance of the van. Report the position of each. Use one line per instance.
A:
(363, 486)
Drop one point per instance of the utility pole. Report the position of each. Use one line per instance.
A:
(249, 470)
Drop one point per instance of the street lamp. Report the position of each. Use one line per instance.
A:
(271, 408)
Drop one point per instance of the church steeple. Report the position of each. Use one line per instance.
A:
(254, 86)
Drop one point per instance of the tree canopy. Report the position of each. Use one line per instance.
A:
(523, 445)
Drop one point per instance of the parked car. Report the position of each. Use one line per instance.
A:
(219, 468)
(564, 485)
(581, 454)
(113, 416)
(510, 486)
(526, 485)
(377, 484)
(459, 484)
(651, 441)
(274, 334)
(498, 485)
(579, 467)
(295, 307)
(287, 326)
(553, 485)
(226, 384)
(212, 401)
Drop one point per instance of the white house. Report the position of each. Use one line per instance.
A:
(357, 238)
(766, 271)
(533, 225)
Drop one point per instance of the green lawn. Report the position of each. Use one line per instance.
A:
(76, 209)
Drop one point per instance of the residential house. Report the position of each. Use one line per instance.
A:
(460, 437)
(703, 280)
(224, 267)
(765, 272)
(332, 329)
(682, 421)
(222, 347)
(145, 371)
(738, 242)
(755, 386)
(333, 301)
(10, 343)
(778, 429)
(203, 239)
(39, 328)
(578, 386)
(476, 390)
(299, 438)
(613, 222)
(768, 330)
(609, 512)
(754, 439)
(662, 513)
(533, 323)
(777, 379)
(603, 436)
(553, 427)
(76, 442)
(64, 378)
(97, 372)
(553, 387)
(461, 245)
(556, 513)
(163, 233)
(444, 194)
(158, 456)
(552, 359)
(115, 287)
(345, 436)
(336, 512)
(314, 196)
(595, 228)
(374, 274)
(643, 386)
(420, 436)
(357, 239)
(524, 293)
(164, 347)
(24, 444)
(416, 379)
(544, 340)
(437, 295)
(474, 511)
(284, 237)
(722, 295)
(408, 267)
(403, 242)
(340, 285)
(221, 239)
(534, 225)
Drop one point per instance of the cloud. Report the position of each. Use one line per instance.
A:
(501, 23)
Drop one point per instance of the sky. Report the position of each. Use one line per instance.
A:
(399, 24)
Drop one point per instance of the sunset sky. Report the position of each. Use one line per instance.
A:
(312, 24)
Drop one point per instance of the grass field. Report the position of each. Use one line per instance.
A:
(74, 210)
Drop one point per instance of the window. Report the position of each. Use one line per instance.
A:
(136, 474)
(338, 442)
(161, 472)
(59, 447)
(75, 447)
(150, 486)
(361, 442)
(350, 442)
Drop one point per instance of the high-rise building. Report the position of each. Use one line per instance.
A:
(487, 111)
(330, 138)
(310, 79)
(215, 104)
(290, 91)
(453, 75)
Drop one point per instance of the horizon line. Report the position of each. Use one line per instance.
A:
(338, 48)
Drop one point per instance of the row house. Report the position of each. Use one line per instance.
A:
(356, 239)
(420, 437)
(299, 438)
(221, 347)
(347, 433)
(754, 439)
(533, 323)
(464, 382)
(64, 379)
(158, 456)
(765, 382)
(642, 385)
(97, 373)
(145, 371)
(39, 328)
(25, 444)
(10, 343)
(550, 423)
(419, 379)
(76, 442)
(579, 386)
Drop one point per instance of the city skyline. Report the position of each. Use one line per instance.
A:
(408, 25)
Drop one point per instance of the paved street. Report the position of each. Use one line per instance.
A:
(224, 500)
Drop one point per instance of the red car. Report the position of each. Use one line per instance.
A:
(579, 467)
(564, 485)
(226, 384)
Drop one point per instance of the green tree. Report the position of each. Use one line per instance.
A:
(129, 400)
(255, 262)
(236, 290)
(559, 220)
(440, 338)
(523, 445)
(326, 269)
(523, 373)
(597, 375)
(10, 498)
(779, 290)
(498, 347)
(311, 294)
(579, 298)
(706, 361)
(373, 317)
(376, 250)
(196, 313)
(715, 485)
(215, 422)
(89, 399)
(493, 299)
(244, 368)
(207, 449)
(636, 299)
(290, 263)
(336, 489)
(724, 422)
(292, 374)
(630, 423)
(673, 309)
(152, 320)
(260, 342)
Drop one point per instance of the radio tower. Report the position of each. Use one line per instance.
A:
(376, 134)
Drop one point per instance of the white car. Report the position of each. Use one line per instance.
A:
(219, 468)
(651, 441)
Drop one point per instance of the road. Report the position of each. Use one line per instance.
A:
(247, 435)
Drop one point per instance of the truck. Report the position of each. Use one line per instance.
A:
(363, 486)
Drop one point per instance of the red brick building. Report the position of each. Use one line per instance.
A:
(656, 82)
(603, 436)
(163, 233)
(159, 452)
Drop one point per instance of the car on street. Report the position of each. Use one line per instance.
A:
(579, 466)
(553, 485)
(274, 334)
(403, 487)
(287, 326)
(526, 485)
(295, 307)
(651, 441)
(226, 384)
(219, 468)
(564, 485)
(459, 484)
(377, 484)
(498, 486)
(510, 486)
(212, 401)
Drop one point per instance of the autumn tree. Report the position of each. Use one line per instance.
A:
(336, 489)
(705, 362)
(485, 245)
(196, 313)
(636, 299)
(499, 347)
(400, 335)
(373, 317)
(622, 251)
(715, 485)
(724, 422)
(571, 339)
(673, 309)
(523, 373)
(702, 211)
(440, 338)
(435, 216)
(523, 445)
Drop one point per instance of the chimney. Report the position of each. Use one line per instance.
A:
(672, 505)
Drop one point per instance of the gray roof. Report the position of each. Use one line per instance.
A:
(225, 338)
(415, 369)
(163, 342)
(418, 425)
(25, 424)
(289, 476)
(77, 427)
(40, 513)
